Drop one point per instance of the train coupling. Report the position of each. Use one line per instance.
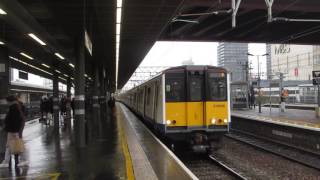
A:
(199, 143)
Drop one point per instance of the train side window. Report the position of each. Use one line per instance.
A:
(148, 96)
(175, 87)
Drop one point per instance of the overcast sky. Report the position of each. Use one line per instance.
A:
(169, 53)
(202, 53)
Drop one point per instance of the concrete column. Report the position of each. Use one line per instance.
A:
(68, 119)
(4, 91)
(95, 99)
(69, 87)
(103, 94)
(79, 99)
(55, 99)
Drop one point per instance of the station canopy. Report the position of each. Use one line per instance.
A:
(143, 22)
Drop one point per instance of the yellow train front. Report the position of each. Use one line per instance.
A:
(184, 104)
(196, 105)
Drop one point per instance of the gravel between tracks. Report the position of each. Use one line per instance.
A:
(203, 167)
(257, 164)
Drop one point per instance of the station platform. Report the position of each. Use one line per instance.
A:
(125, 149)
(291, 117)
(295, 106)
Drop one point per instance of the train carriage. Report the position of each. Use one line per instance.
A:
(185, 104)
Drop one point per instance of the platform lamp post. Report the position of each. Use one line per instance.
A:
(259, 88)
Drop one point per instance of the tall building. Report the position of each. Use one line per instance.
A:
(234, 57)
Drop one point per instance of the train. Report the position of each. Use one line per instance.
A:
(188, 104)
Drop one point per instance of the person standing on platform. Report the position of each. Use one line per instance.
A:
(24, 113)
(22, 161)
(13, 125)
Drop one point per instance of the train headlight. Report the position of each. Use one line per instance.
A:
(225, 120)
(168, 122)
(213, 121)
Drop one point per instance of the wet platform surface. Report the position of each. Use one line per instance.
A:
(301, 118)
(55, 157)
(124, 149)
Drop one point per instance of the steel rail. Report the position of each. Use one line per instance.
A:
(225, 167)
(274, 152)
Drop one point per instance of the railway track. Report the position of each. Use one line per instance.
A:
(227, 168)
(290, 153)
(209, 167)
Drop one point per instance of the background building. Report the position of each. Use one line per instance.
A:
(296, 61)
(233, 57)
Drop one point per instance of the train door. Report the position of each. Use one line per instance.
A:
(195, 104)
(175, 94)
(216, 98)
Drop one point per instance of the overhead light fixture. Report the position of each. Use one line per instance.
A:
(119, 3)
(118, 37)
(118, 15)
(2, 12)
(118, 28)
(85, 75)
(45, 65)
(37, 39)
(65, 75)
(57, 71)
(26, 55)
(29, 65)
(70, 64)
(62, 78)
(59, 56)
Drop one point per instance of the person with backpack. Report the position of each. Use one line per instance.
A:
(13, 125)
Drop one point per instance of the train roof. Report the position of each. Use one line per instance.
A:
(184, 67)
(194, 67)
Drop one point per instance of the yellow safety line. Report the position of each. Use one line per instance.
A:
(130, 174)
(52, 176)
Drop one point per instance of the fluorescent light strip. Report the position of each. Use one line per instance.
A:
(2, 12)
(118, 37)
(118, 15)
(59, 56)
(119, 3)
(65, 75)
(1, 43)
(37, 39)
(62, 78)
(34, 67)
(26, 55)
(118, 28)
(70, 64)
(45, 65)
(57, 71)
(85, 75)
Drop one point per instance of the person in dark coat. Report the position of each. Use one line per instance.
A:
(24, 113)
(13, 125)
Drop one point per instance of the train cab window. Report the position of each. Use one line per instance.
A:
(217, 86)
(195, 85)
(175, 87)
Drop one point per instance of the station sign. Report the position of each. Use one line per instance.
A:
(23, 75)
